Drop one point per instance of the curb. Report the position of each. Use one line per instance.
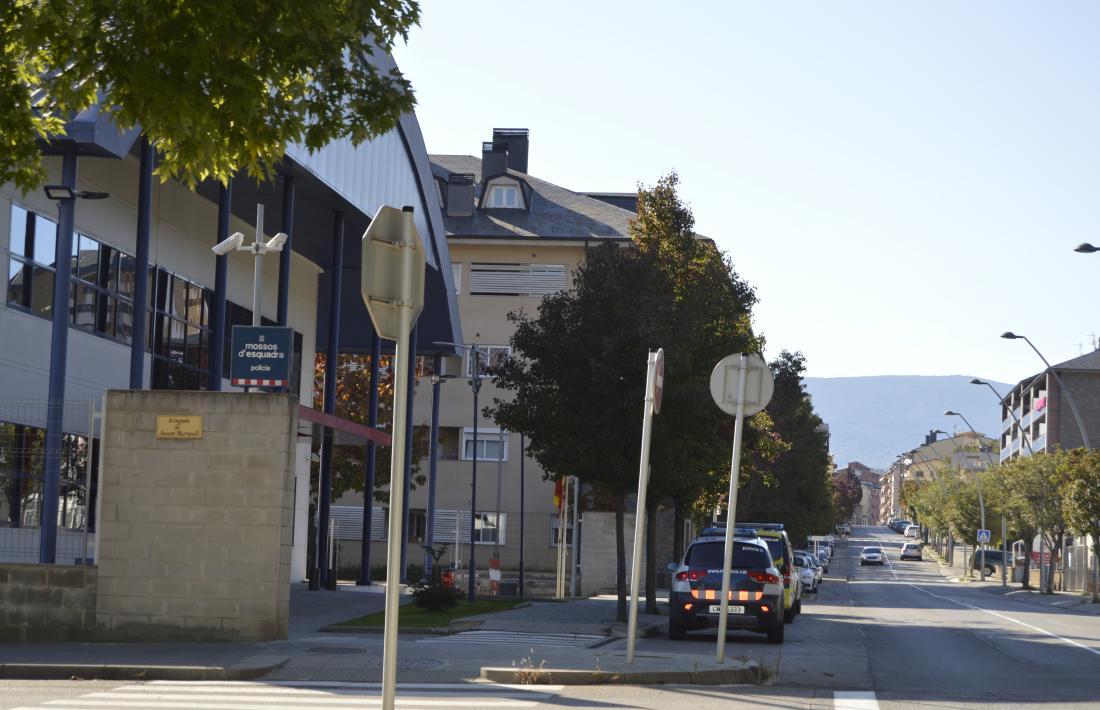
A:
(92, 671)
(747, 673)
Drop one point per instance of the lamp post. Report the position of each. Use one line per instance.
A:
(475, 385)
(978, 483)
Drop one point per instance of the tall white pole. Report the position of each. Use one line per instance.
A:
(639, 513)
(573, 545)
(731, 512)
(398, 484)
(257, 269)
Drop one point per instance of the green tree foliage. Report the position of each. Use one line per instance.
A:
(217, 86)
(796, 489)
(578, 372)
(1083, 500)
(847, 494)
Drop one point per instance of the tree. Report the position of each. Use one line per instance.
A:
(216, 86)
(1083, 502)
(847, 494)
(1037, 486)
(585, 352)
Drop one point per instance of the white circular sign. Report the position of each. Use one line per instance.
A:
(759, 384)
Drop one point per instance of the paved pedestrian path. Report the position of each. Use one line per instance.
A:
(302, 696)
(518, 638)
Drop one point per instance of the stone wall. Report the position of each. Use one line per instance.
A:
(598, 550)
(195, 535)
(47, 602)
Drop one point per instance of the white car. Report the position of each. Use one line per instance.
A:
(872, 556)
(911, 551)
(912, 531)
(809, 568)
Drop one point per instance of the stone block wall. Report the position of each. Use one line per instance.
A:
(195, 535)
(598, 550)
(47, 602)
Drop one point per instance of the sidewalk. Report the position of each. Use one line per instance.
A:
(1074, 602)
(544, 641)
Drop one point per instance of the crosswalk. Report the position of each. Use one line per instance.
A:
(245, 695)
(517, 638)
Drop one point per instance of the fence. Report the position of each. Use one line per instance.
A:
(22, 475)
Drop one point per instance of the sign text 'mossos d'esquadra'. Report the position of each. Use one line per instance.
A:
(261, 356)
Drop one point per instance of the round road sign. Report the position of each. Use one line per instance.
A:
(759, 384)
(658, 380)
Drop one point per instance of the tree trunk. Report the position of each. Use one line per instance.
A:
(1095, 532)
(678, 533)
(620, 556)
(1029, 541)
(651, 556)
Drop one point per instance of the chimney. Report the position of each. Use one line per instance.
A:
(494, 158)
(516, 140)
(460, 194)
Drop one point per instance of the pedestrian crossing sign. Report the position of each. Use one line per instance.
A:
(983, 536)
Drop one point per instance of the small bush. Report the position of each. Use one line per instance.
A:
(432, 594)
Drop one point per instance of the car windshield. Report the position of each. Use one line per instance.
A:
(708, 555)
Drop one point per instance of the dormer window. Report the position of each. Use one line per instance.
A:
(503, 196)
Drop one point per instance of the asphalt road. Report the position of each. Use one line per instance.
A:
(897, 636)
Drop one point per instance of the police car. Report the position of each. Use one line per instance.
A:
(755, 590)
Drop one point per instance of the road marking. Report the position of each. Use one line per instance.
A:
(854, 700)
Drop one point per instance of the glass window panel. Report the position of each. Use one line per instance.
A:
(178, 298)
(42, 292)
(160, 302)
(18, 274)
(162, 374)
(124, 321)
(87, 303)
(45, 240)
(194, 304)
(88, 268)
(207, 306)
(106, 322)
(492, 449)
(108, 267)
(18, 231)
(177, 340)
(126, 274)
(160, 336)
(193, 347)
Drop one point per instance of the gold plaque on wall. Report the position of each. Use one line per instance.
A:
(179, 426)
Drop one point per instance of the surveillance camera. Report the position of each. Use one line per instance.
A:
(276, 243)
(224, 247)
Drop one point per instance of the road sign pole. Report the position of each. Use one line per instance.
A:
(731, 510)
(398, 484)
(639, 513)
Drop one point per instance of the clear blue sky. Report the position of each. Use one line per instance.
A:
(900, 182)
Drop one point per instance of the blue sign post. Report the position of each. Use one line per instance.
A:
(261, 356)
(983, 536)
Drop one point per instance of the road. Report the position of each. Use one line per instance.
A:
(897, 636)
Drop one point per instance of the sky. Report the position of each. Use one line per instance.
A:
(900, 182)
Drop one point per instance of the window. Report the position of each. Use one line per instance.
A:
(32, 262)
(555, 531)
(503, 196)
(488, 445)
(488, 356)
(181, 333)
(488, 529)
(516, 279)
(418, 525)
(456, 274)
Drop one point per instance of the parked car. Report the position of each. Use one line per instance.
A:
(810, 568)
(823, 558)
(756, 587)
(994, 560)
(912, 531)
(911, 551)
(872, 556)
(782, 551)
(899, 526)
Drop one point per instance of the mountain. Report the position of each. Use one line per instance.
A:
(873, 419)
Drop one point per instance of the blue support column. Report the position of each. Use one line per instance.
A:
(408, 456)
(284, 256)
(221, 268)
(433, 459)
(141, 265)
(522, 510)
(59, 346)
(368, 484)
(324, 497)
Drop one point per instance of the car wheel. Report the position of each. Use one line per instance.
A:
(989, 570)
(776, 635)
(825, 570)
(788, 615)
(676, 630)
(861, 563)
(797, 607)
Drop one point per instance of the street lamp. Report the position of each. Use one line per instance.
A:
(65, 192)
(1086, 248)
(475, 385)
(1009, 335)
(978, 483)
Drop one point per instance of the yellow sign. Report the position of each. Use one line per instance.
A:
(179, 426)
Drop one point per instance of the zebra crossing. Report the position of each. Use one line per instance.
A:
(318, 695)
(517, 638)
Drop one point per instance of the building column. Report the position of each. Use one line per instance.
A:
(324, 497)
(408, 454)
(221, 269)
(59, 345)
(368, 484)
(141, 264)
(284, 256)
(433, 460)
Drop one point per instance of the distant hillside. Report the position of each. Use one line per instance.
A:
(873, 419)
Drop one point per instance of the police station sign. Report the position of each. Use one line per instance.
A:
(261, 356)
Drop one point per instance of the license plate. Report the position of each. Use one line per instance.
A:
(731, 609)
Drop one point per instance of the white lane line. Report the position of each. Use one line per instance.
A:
(854, 700)
(77, 703)
(1009, 618)
(468, 687)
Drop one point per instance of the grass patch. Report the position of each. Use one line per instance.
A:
(413, 617)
